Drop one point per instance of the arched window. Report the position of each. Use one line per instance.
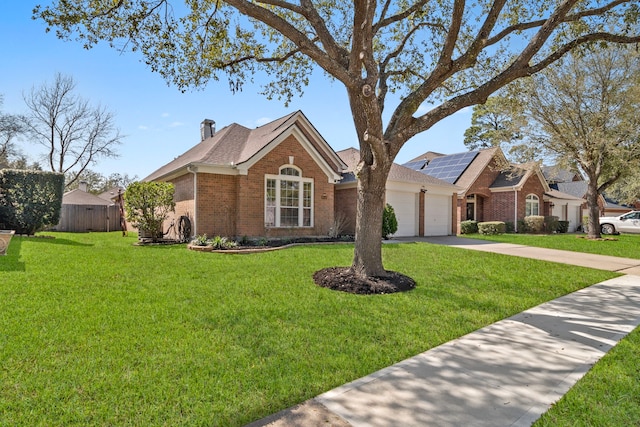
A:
(532, 205)
(288, 199)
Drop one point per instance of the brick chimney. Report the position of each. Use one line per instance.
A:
(83, 186)
(207, 129)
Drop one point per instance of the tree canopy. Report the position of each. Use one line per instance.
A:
(445, 55)
(584, 113)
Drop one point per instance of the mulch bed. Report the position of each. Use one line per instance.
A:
(344, 280)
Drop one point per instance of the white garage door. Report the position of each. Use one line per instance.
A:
(437, 215)
(405, 206)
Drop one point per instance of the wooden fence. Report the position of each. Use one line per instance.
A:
(82, 218)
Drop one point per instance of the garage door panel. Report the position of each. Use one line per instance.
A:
(437, 215)
(405, 206)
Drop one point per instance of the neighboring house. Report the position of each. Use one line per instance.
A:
(424, 206)
(276, 180)
(574, 184)
(82, 212)
(494, 190)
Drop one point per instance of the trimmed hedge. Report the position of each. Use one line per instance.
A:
(469, 227)
(492, 227)
(534, 224)
(30, 200)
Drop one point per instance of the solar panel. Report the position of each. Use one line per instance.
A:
(449, 168)
(416, 166)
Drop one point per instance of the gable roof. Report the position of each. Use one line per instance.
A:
(465, 176)
(516, 177)
(351, 157)
(574, 188)
(79, 197)
(235, 148)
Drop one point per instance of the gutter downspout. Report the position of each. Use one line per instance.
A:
(194, 229)
(515, 211)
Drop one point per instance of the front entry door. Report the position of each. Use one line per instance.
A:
(471, 211)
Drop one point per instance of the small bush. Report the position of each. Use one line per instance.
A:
(219, 242)
(492, 227)
(563, 226)
(469, 227)
(534, 224)
(389, 221)
(551, 224)
(522, 226)
(200, 240)
(510, 227)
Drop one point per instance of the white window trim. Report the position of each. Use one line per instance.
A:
(302, 180)
(529, 200)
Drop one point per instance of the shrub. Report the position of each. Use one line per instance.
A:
(522, 226)
(148, 204)
(389, 221)
(534, 223)
(30, 200)
(492, 227)
(551, 224)
(469, 227)
(219, 242)
(200, 240)
(563, 226)
(509, 227)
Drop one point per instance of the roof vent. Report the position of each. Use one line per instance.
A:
(207, 129)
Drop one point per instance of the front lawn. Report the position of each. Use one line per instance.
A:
(96, 331)
(623, 245)
(608, 395)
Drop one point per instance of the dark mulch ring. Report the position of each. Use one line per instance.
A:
(342, 279)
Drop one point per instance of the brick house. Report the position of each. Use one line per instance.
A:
(284, 180)
(276, 180)
(492, 189)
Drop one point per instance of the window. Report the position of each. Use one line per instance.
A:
(288, 199)
(532, 205)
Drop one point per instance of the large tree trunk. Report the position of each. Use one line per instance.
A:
(367, 259)
(594, 211)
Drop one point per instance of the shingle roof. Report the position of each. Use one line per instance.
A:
(351, 157)
(79, 197)
(574, 188)
(558, 174)
(235, 145)
(563, 196)
(510, 178)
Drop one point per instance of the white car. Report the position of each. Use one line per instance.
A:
(626, 223)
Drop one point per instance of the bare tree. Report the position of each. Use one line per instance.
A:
(445, 55)
(584, 112)
(74, 133)
(10, 128)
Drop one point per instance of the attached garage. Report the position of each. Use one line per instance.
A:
(437, 215)
(405, 205)
(422, 204)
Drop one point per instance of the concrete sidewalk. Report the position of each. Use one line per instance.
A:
(506, 374)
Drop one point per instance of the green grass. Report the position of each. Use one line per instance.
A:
(624, 245)
(608, 395)
(97, 331)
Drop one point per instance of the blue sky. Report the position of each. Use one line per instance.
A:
(159, 122)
